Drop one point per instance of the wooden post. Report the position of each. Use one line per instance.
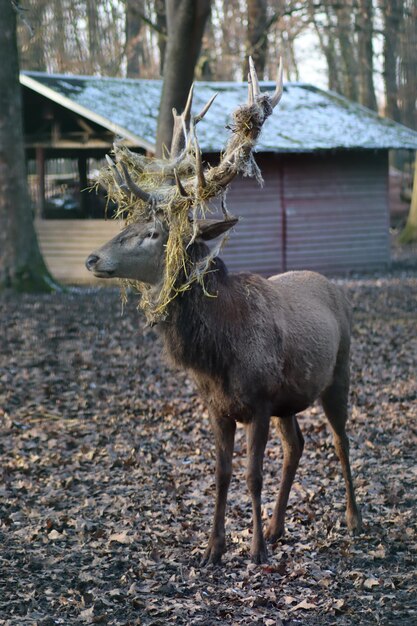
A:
(40, 173)
(83, 181)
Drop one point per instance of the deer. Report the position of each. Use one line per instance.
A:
(256, 348)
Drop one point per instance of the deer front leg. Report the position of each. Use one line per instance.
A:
(256, 438)
(224, 434)
(293, 443)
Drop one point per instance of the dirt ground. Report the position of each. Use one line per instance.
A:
(107, 467)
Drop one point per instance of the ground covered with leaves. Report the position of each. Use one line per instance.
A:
(107, 466)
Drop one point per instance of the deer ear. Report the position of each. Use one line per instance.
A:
(210, 229)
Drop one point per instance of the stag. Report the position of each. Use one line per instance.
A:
(256, 348)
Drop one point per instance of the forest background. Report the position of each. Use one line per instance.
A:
(363, 49)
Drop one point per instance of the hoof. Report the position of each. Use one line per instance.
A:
(259, 551)
(213, 554)
(211, 559)
(259, 557)
(273, 535)
(354, 523)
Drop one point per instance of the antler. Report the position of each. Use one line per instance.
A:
(127, 183)
(277, 95)
(183, 124)
(248, 122)
(185, 154)
(179, 186)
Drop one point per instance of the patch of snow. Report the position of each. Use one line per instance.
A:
(307, 119)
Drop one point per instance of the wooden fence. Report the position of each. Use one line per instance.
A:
(65, 245)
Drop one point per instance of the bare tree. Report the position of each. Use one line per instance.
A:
(93, 25)
(134, 45)
(392, 16)
(407, 74)
(73, 36)
(366, 54)
(324, 30)
(345, 35)
(256, 38)
(21, 263)
(130, 36)
(345, 32)
(32, 44)
(226, 39)
(186, 20)
(161, 23)
(409, 233)
(408, 101)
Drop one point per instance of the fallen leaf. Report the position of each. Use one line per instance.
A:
(339, 605)
(121, 538)
(54, 535)
(87, 614)
(371, 582)
(305, 605)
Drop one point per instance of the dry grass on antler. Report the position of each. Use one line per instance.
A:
(180, 205)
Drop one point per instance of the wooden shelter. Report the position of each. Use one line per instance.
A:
(324, 159)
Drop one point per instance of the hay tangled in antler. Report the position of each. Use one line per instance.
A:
(177, 191)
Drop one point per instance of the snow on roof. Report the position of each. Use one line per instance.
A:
(307, 118)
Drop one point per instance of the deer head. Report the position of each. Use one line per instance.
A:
(137, 253)
(164, 200)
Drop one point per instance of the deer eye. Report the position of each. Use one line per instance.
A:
(126, 238)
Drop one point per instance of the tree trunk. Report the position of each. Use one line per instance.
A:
(229, 37)
(33, 43)
(347, 51)
(21, 263)
(408, 66)
(134, 48)
(409, 233)
(60, 39)
(408, 101)
(186, 20)
(366, 55)
(94, 47)
(392, 13)
(327, 43)
(161, 22)
(292, 64)
(256, 37)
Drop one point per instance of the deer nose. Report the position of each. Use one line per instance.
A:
(91, 261)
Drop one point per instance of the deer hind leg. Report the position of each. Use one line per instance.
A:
(224, 434)
(256, 438)
(334, 401)
(293, 444)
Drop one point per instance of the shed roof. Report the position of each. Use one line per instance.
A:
(308, 118)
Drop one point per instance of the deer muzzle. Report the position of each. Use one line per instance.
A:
(93, 265)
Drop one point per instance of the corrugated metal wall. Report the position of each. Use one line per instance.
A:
(326, 212)
(336, 211)
(256, 242)
(331, 211)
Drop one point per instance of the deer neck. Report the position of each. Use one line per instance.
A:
(196, 331)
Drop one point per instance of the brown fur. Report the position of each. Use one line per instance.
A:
(259, 348)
